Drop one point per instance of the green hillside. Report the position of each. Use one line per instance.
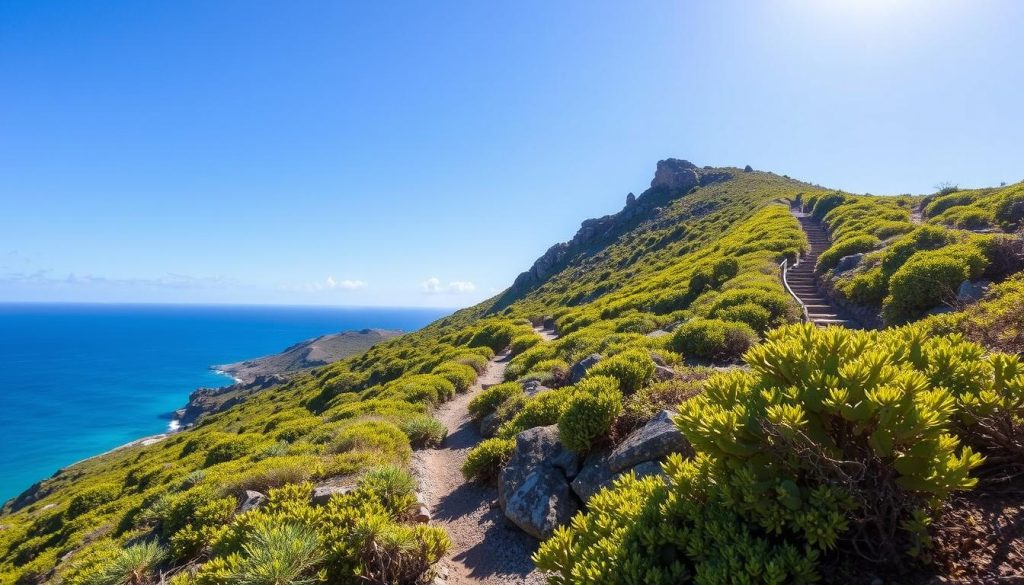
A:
(834, 450)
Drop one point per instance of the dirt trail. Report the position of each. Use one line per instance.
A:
(485, 547)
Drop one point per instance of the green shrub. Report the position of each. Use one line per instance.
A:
(379, 437)
(713, 339)
(392, 486)
(852, 245)
(91, 498)
(490, 399)
(275, 554)
(590, 412)
(461, 376)
(424, 431)
(429, 388)
(541, 410)
(827, 203)
(523, 342)
(761, 501)
(758, 317)
(133, 565)
(930, 279)
(484, 462)
(632, 369)
(231, 448)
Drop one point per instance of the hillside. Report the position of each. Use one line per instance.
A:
(832, 454)
(254, 375)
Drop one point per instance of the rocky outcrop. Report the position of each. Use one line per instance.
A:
(848, 263)
(672, 178)
(533, 488)
(579, 369)
(323, 493)
(597, 474)
(651, 442)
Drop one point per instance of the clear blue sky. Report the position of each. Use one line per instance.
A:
(424, 153)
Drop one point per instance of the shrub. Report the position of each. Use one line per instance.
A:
(132, 565)
(827, 203)
(392, 486)
(428, 388)
(523, 342)
(461, 376)
(590, 413)
(541, 410)
(424, 431)
(845, 247)
(490, 399)
(91, 498)
(834, 443)
(775, 301)
(713, 339)
(632, 369)
(484, 462)
(758, 317)
(277, 554)
(375, 436)
(929, 279)
(231, 448)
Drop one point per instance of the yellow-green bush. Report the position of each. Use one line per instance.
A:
(461, 376)
(594, 406)
(631, 368)
(713, 339)
(490, 399)
(484, 461)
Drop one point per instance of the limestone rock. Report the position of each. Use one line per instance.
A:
(579, 369)
(653, 441)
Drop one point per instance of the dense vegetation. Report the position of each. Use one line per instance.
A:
(834, 446)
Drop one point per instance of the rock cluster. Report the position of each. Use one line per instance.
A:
(673, 177)
(544, 484)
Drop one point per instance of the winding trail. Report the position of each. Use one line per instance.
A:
(485, 547)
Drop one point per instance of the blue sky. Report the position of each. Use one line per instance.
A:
(425, 153)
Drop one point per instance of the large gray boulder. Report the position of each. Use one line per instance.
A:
(597, 475)
(323, 493)
(533, 488)
(541, 503)
(535, 448)
(651, 442)
(579, 369)
(676, 175)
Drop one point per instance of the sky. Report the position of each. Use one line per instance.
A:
(425, 153)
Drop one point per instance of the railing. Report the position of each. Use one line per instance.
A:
(784, 268)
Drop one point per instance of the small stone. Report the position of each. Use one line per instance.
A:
(663, 373)
(323, 493)
(579, 369)
(251, 501)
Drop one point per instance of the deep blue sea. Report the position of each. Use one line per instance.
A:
(77, 380)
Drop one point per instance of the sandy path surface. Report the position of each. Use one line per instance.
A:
(485, 547)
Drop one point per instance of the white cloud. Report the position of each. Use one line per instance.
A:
(433, 286)
(329, 283)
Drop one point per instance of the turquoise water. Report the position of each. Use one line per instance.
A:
(77, 380)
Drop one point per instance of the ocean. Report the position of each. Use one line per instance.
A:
(78, 380)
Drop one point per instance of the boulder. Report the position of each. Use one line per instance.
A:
(655, 440)
(541, 503)
(251, 501)
(748, 169)
(579, 369)
(648, 468)
(533, 488)
(658, 333)
(489, 425)
(848, 263)
(663, 373)
(535, 448)
(531, 387)
(630, 199)
(323, 493)
(594, 476)
(971, 292)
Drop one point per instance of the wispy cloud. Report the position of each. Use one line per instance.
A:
(433, 286)
(329, 283)
(46, 278)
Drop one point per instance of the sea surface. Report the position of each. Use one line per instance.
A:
(78, 380)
